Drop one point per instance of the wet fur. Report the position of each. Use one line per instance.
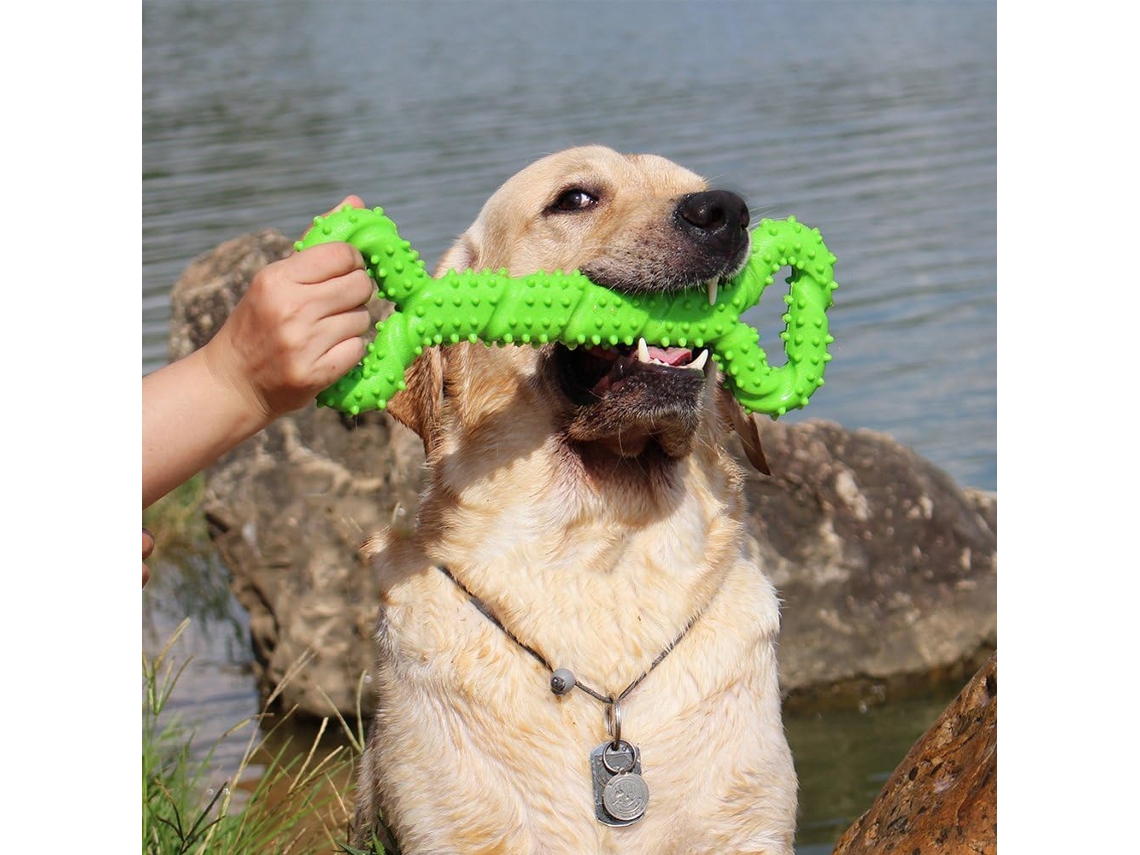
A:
(595, 533)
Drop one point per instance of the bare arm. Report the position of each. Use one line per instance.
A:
(295, 330)
(191, 417)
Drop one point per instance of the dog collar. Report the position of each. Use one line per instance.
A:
(620, 793)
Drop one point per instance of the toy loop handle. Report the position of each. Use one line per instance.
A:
(758, 386)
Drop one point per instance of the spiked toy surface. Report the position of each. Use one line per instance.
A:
(569, 308)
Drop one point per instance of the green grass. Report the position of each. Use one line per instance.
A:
(281, 800)
(278, 802)
(177, 519)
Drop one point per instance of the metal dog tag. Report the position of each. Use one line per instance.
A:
(620, 793)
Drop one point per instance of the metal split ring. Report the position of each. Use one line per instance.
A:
(613, 721)
(624, 749)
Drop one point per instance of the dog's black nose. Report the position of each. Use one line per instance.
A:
(717, 217)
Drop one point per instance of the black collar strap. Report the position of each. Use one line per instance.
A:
(563, 680)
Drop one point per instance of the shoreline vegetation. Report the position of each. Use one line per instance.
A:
(282, 798)
(278, 801)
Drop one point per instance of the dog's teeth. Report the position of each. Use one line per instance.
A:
(642, 351)
(711, 285)
(698, 364)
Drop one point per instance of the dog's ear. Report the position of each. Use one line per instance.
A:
(418, 406)
(745, 427)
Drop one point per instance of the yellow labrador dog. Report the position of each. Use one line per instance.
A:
(576, 647)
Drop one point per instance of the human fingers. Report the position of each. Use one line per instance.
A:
(338, 359)
(354, 323)
(352, 201)
(344, 293)
(147, 549)
(322, 262)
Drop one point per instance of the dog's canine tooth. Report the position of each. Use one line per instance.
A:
(697, 364)
(711, 285)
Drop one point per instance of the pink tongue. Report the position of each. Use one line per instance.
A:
(668, 355)
(671, 355)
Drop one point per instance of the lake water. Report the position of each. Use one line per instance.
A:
(874, 121)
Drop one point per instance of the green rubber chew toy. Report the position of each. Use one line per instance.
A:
(569, 308)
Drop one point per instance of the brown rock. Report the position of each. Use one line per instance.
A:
(887, 569)
(942, 798)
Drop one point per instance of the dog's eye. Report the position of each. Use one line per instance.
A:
(574, 199)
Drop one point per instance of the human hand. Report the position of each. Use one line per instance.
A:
(296, 329)
(147, 549)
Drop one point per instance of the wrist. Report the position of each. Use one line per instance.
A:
(247, 411)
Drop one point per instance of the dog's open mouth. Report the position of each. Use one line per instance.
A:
(629, 399)
(588, 374)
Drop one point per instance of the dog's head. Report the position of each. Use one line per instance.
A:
(629, 222)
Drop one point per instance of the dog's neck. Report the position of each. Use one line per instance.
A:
(566, 560)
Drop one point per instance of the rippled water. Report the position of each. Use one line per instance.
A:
(874, 121)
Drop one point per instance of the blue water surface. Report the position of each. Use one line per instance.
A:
(874, 121)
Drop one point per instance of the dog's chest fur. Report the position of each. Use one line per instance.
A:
(467, 721)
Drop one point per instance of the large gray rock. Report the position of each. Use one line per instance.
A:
(887, 570)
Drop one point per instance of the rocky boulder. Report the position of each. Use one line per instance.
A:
(886, 568)
(942, 797)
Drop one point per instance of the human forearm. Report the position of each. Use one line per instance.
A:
(191, 417)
